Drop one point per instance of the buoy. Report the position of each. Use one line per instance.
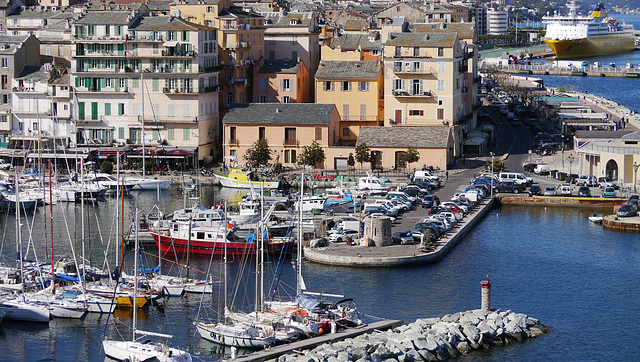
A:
(320, 331)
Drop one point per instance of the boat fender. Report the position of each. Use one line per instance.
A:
(57, 286)
(344, 314)
(212, 334)
(305, 321)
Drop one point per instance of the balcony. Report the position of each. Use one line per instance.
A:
(412, 70)
(110, 90)
(217, 68)
(178, 91)
(233, 141)
(29, 90)
(215, 88)
(290, 142)
(179, 53)
(404, 94)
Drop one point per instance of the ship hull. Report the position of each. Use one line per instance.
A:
(592, 46)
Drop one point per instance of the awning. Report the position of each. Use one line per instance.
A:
(171, 43)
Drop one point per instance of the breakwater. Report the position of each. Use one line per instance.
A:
(430, 339)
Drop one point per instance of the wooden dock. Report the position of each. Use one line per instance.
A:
(310, 343)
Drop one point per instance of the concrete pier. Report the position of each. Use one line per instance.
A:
(397, 255)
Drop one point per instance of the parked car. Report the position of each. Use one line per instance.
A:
(607, 181)
(627, 210)
(584, 191)
(633, 199)
(510, 186)
(563, 190)
(402, 237)
(430, 200)
(550, 191)
(535, 190)
(587, 180)
(529, 167)
(571, 178)
(609, 192)
(342, 235)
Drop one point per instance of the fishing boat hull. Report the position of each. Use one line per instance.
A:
(244, 337)
(245, 184)
(140, 351)
(592, 46)
(169, 244)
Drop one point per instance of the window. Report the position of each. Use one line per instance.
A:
(345, 112)
(121, 82)
(363, 86)
(47, 50)
(186, 111)
(287, 156)
(135, 82)
(290, 136)
(345, 132)
(232, 135)
(155, 84)
(416, 67)
(186, 134)
(262, 99)
(285, 85)
(397, 117)
(345, 86)
(441, 86)
(398, 51)
(121, 132)
(442, 67)
(4, 81)
(416, 51)
(261, 133)
(440, 114)
(3, 119)
(374, 53)
(327, 85)
(398, 84)
(318, 133)
(170, 110)
(107, 30)
(171, 134)
(262, 85)
(363, 112)
(416, 112)
(107, 110)
(285, 99)
(120, 109)
(397, 67)
(440, 102)
(440, 51)
(416, 86)
(81, 110)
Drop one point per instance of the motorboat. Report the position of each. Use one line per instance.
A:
(596, 219)
(241, 178)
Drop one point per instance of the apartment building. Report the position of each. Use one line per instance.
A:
(129, 69)
(241, 40)
(287, 127)
(357, 89)
(284, 81)
(16, 52)
(358, 47)
(425, 80)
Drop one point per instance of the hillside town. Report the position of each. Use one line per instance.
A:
(202, 81)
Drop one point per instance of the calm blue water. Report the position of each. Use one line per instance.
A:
(552, 264)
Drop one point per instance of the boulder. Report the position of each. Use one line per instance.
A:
(432, 345)
(411, 356)
(471, 332)
(470, 318)
(427, 356)
(343, 356)
(449, 318)
(463, 347)
(441, 354)
(427, 322)
(485, 327)
(440, 328)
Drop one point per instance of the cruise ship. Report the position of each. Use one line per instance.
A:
(575, 36)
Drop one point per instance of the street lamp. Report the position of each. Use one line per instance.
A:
(570, 159)
(562, 138)
(635, 171)
(492, 176)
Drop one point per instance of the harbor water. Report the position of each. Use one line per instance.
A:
(549, 263)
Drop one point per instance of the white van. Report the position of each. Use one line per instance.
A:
(518, 178)
(420, 174)
(542, 169)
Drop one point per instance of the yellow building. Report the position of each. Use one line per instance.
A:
(240, 37)
(284, 81)
(287, 127)
(353, 47)
(356, 88)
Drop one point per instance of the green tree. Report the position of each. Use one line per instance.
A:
(411, 156)
(351, 161)
(107, 167)
(363, 154)
(311, 155)
(259, 154)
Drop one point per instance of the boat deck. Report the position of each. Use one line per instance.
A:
(309, 343)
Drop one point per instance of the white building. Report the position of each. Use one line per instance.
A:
(497, 22)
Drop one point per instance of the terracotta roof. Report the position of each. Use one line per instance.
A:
(405, 137)
(425, 40)
(279, 113)
(337, 69)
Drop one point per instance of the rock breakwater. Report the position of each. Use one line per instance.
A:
(429, 339)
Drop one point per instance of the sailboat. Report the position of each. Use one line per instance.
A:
(17, 307)
(136, 350)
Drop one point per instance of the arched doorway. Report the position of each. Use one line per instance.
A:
(611, 170)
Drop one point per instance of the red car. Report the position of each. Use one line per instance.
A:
(453, 208)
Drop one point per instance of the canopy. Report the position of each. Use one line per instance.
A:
(307, 302)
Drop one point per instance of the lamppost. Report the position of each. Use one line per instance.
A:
(562, 139)
(570, 159)
(635, 171)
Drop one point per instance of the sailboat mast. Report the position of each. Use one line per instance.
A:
(51, 225)
(117, 198)
(144, 155)
(82, 185)
(189, 246)
(263, 232)
(226, 228)
(299, 246)
(18, 233)
(122, 222)
(135, 283)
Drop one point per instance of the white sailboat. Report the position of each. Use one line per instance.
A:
(136, 350)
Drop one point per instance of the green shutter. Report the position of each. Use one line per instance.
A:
(107, 110)
(94, 111)
(99, 85)
(77, 82)
(81, 110)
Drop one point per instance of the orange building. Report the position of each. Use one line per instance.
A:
(283, 80)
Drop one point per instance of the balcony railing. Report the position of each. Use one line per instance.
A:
(290, 142)
(233, 141)
(178, 53)
(412, 70)
(405, 94)
(215, 88)
(178, 91)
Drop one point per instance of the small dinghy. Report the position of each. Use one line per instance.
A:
(596, 219)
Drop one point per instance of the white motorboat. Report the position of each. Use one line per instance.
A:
(241, 178)
(149, 184)
(596, 219)
(16, 308)
(109, 182)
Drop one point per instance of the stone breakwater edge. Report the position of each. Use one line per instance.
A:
(429, 339)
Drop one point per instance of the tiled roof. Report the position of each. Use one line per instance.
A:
(464, 30)
(279, 113)
(356, 41)
(335, 69)
(405, 137)
(632, 136)
(355, 24)
(282, 66)
(276, 19)
(195, 2)
(164, 5)
(11, 43)
(425, 40)
(157, 23)
(105, 17)
(34, 13)
(33, 72)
